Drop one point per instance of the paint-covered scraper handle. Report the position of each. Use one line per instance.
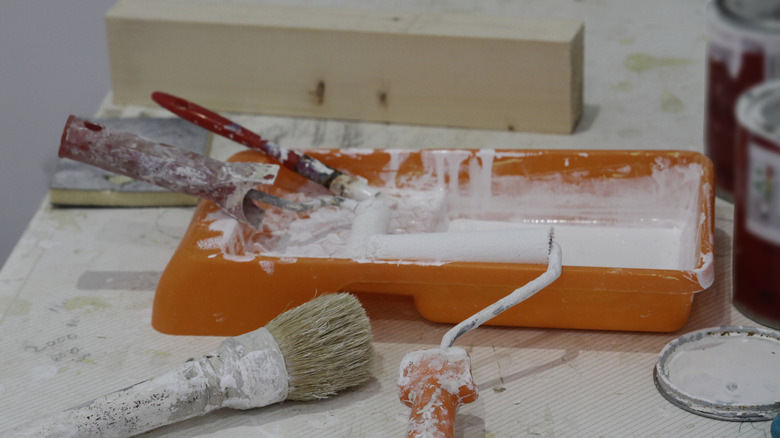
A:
(434, 383)
(226, 184)
(334, 180)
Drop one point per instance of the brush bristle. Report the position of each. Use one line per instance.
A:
(326, 344)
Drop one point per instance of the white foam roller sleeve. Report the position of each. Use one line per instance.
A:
(372, 217)
(529, 245)
(243, 372)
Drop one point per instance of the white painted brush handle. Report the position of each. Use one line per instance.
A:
(243, 372)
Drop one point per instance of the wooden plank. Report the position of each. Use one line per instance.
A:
(452, 70)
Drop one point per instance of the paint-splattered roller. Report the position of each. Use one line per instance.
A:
(307, 353)
(435, 382)
(232, 186)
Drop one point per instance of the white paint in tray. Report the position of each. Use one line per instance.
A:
(646, 222)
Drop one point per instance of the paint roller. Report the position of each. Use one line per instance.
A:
(307, 353)
(369, 240)
(435, 382)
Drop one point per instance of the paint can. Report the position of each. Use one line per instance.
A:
(743, 50)
(726, 373)
(756, 253)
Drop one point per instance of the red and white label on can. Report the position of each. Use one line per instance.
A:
(729, 42)
(733, 54)
(756, 250)
(762, 214)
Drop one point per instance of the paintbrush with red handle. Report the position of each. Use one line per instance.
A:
(339, 183)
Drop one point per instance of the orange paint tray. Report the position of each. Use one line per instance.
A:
(636, 229)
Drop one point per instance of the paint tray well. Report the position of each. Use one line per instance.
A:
(636, 229)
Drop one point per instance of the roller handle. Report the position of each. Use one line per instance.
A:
(424, 385)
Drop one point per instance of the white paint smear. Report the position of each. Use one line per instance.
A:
(644, 222)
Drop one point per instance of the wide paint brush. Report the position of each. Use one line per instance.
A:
(339, 183)
(310, 352)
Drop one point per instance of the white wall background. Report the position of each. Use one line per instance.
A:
(53, 62)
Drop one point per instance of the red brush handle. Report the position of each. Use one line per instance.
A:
(210, 121)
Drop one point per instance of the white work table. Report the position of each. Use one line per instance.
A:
(76, 293)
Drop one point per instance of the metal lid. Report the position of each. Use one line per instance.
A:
(727, 373)
(754, 14)
(758, 109)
